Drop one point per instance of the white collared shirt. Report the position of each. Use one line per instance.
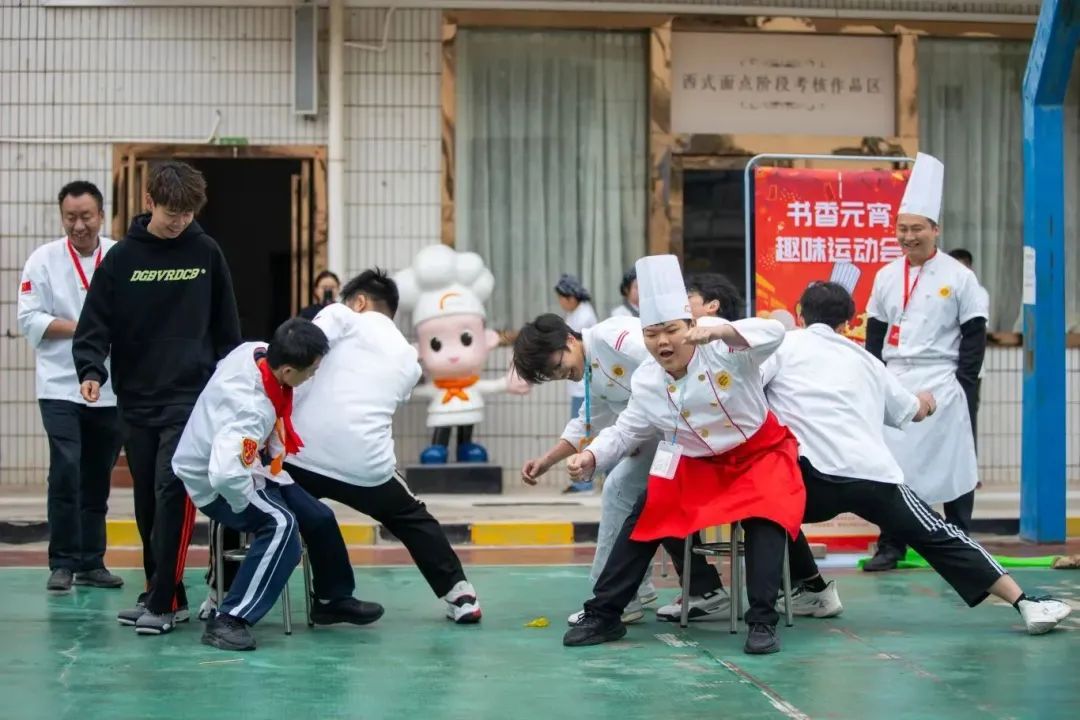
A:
(233, 408)
(943, 296)
(716, 406)
(50, 288)
(614, 349)
(836, 398)
(345, 414)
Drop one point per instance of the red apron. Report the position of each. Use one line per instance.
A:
(759, 478)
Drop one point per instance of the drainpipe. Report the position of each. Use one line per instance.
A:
(336, 250)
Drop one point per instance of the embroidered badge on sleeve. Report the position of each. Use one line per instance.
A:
(249, 450)
(26, 287)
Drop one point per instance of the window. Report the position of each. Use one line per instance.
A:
(552, 162)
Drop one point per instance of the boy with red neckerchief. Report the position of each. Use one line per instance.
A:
(230, 460)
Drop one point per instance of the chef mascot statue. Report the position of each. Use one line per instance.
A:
(446, 290)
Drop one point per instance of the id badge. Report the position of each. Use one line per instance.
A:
(666, 460)
(894, 335)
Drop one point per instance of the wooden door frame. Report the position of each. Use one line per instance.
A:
(317, 154)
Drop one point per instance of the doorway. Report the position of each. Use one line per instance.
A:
(266, 208)
(709, 208)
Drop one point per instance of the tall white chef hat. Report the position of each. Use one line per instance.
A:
(442, 281)
(923, 193)
(661, 292)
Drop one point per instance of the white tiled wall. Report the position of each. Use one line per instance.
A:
(160, 73)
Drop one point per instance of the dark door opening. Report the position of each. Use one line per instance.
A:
(714, 229)
(249, 211)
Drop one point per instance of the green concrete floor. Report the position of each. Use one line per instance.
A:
(905, 647)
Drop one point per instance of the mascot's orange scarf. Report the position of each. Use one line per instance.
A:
(455, 387)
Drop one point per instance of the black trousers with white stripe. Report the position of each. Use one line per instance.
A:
(897, 510)
(394, 506)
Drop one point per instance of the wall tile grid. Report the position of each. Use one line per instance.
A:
(122, 74)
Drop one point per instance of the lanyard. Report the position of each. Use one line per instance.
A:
(588, 400)
(78, 264)
(678, 408)
(910, 290)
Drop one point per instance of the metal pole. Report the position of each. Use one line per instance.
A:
(748, 203)
(1043, 460)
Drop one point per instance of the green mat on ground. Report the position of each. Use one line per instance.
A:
(914, 560)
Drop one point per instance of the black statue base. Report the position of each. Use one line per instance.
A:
(467, 478)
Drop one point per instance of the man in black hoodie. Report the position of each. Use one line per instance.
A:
(162, 306)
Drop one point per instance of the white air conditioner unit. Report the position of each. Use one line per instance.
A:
(306, 59)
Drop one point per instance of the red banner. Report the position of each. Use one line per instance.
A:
(822, 225)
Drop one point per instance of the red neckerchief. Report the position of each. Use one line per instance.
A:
(281, 397)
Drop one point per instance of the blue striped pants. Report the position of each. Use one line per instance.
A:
(273, 555)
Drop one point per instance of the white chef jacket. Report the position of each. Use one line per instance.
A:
(937, 455)
(716, 406)
(345, 413)
(582, 317)
(233, 410)
(622, 311)
(614, 349)
(51, 288)
(835, 397)
(450, 409)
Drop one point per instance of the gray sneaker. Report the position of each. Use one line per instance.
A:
(151, 624)
(100, 578)
(130, 616)
(59, 581)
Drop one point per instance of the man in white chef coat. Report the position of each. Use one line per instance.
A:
(84, 441)
(834, 396)
(927, 323)
(724, 456)
(604, 357)
(345, 415)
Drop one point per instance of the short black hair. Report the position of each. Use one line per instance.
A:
(714, 286)
(326, 274)
(79, 188)
(627, 280)
(376, 286)
(828, 303)
(536, 343)
(296, 342)
(962, 255)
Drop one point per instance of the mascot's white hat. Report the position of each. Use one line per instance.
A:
(442, 281)
(923, 193)
(661, 291)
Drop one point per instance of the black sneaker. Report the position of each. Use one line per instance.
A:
(884, 559)
(100, 578)
(345, 610)
(761, 640)
(226, 632)
(594, 629)
(59, 581)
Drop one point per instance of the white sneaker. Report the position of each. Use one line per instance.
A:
(807, 603)
(633, 613)
(209, 606)
(710, 606)
(461, 604)
(1042, 614)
